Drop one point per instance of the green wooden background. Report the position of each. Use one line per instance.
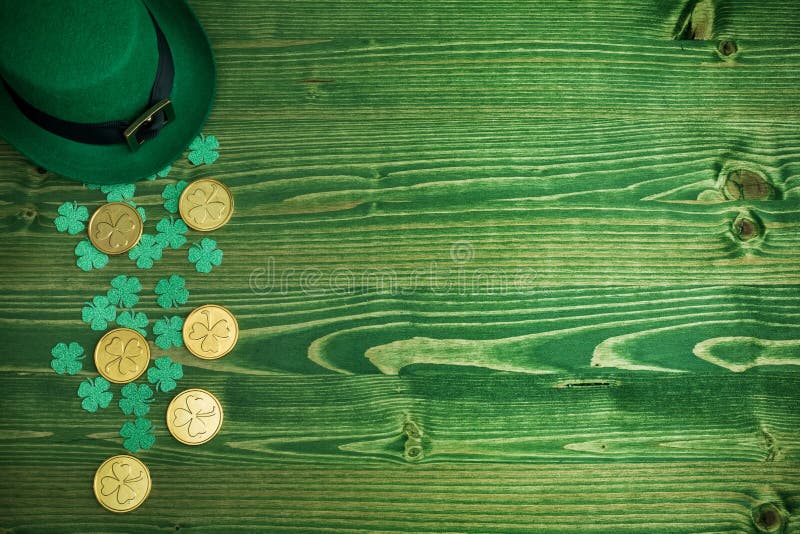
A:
(484, 274)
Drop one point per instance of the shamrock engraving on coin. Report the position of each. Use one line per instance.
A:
(194, 416)
(210, 332)
(122, 483)
(206, 204)
(115, 228)
(122, 355)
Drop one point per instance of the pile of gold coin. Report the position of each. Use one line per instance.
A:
(194, 416)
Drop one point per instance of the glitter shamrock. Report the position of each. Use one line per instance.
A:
(172, 292)
(146, 252)
(203, 150)
(160, 174)
(95, 394)
(168, 332)
(204, 255)
(71, 218)
(136, 399)
(67, 358)
(118, 192)
(171, 195)
(171, 233)
(98, 313)
(124, 291)
(164, 374)
(89, 257)
(133, 320)
(138, 435)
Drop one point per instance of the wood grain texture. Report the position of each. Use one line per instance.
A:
(490, 274)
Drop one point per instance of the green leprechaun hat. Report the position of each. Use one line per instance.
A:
(104, 91)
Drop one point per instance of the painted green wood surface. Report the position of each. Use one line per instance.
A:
(485, 274)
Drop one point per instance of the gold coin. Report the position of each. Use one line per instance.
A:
(194, 416)
(210, 332)
(115, 228)
(206, 204)
(121, 355)
(122, 483)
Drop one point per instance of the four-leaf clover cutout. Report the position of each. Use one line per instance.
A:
(118, 192)
(138, 435)
(205, 255)
(67, 358)
(136, 399)
(124, 291)
(171, 195)
(171, 233)
(133, 320)
(89, 257)
(95, 394)
(203, 150)
(147, 251)
(172, 291)
(164, 374)
(71, 218)
(99, 313)
(168, 332)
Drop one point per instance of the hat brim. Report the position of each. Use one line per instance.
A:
(192, 97)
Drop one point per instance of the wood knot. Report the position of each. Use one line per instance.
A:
(744, 184)
(413, 450)
(768, 518)
(27, 214)
(746, 228)
(727, 47)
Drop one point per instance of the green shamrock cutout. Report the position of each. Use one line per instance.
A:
(67, 358)
(71, 218)
(98, 313)
(89, 257)
(203, 150)
(124, 291)
(171, 233)
(204, 255)
(146, 252)
(133, 320)
(160, 174)
(136, 399)
(171, 195)
(164, 374)
(118, 192)
(172, 292)
(95, 394)
(138, 435)
(168, 332)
